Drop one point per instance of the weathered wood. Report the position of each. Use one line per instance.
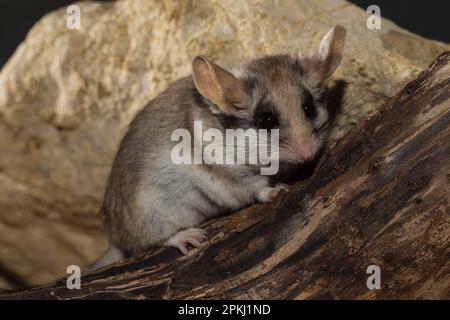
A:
(381, 196)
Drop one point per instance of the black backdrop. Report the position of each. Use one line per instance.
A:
(427, 18)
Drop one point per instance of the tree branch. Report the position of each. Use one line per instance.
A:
(380, 196)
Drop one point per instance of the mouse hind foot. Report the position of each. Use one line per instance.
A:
(268, 194)
(111, 255)
(193, 236)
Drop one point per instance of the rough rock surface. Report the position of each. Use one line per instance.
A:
(66, 97)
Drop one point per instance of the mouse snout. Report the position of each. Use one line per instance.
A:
(303, 148)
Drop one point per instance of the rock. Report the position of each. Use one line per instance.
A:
(66, 97)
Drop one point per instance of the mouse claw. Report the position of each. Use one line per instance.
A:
(193, 236)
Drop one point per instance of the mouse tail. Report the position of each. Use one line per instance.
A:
(111, 255)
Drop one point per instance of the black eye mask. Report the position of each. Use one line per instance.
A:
(309, 107)
(266, 117)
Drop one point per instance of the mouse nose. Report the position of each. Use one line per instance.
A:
(304, 149)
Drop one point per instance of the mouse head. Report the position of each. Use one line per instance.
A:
(276, 92)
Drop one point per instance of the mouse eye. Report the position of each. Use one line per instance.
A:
(266, 120)
(309, 108)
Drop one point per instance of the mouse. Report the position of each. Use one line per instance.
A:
(151, 200)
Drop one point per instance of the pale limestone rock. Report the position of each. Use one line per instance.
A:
(66, 97)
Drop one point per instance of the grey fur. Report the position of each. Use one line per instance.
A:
(148, 199)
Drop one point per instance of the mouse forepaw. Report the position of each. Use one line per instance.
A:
(193, 236)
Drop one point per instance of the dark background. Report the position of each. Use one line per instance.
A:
(427, 18)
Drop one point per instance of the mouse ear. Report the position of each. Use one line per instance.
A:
(327, 56)
(217, 84)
